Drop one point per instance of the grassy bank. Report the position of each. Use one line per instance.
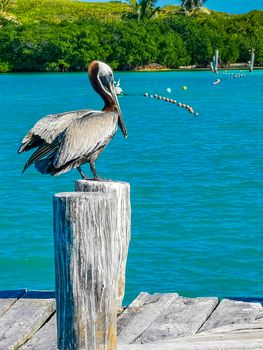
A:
(65, 35)
(58, 11)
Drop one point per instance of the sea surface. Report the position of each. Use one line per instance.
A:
(196, 181)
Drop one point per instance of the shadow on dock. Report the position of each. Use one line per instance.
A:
(24, 294)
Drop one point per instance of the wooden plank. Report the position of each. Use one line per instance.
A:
(8, 298)
(230, 312)
(126, 316)
(184, 317)
(260, 314)
(188, 344)
(25, 313)
(140, 315)
(255, 326)
(45, 338)
(24, 318)
(231, 337)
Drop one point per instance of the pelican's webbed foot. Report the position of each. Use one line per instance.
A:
(97, 178)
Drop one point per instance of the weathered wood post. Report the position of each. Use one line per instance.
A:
(120, 191)
(87, 265)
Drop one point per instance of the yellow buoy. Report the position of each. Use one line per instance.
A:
(184, 87)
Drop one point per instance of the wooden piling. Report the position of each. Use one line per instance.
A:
(120, 192)
(87, 265)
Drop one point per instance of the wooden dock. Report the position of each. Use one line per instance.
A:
(150, 322)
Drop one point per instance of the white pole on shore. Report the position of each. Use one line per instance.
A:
(87, 267)
(252, 60)
(214, 64)
(216, 60)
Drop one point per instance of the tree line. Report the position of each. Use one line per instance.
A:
(171, 40)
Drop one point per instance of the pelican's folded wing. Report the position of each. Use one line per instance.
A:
(85, 136)
(48, 128)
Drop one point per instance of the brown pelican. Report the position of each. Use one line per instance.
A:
(68, 140)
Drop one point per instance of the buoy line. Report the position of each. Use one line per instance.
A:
(179, 104)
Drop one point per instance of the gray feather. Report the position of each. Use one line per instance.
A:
(49, 127)
(85, 136)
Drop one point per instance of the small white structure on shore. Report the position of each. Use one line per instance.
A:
(214, 63)
(252, 60)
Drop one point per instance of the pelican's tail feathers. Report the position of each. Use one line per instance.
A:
(46, 166)
(40, 153)
(43, 165)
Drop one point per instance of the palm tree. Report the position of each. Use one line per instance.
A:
(191, 6)
(142, 9)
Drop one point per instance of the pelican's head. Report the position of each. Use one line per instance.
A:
(102, 80)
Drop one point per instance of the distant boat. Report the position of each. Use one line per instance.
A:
(118, 88)
(217, 82)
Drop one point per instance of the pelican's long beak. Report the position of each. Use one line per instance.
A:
(120, 118)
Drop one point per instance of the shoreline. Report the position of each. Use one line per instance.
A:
(143, 70)
(194, 69)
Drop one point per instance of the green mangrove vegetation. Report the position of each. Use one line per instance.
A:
(191, 7)
(59, 35)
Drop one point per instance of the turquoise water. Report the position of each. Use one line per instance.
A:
(196, 181)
